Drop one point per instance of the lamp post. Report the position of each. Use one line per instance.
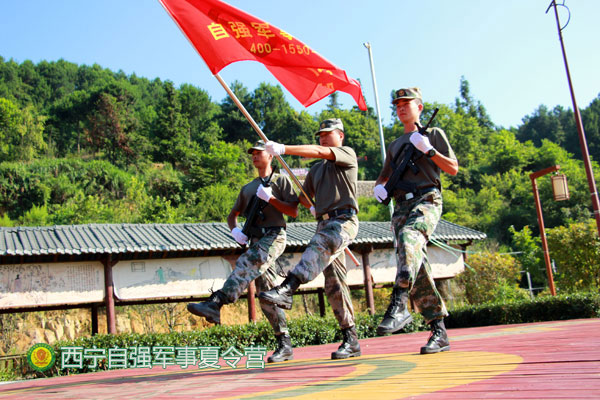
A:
(582, 141)
(560, 192)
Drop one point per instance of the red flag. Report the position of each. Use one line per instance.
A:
(223, 34)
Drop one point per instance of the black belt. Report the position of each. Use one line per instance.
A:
(336, 213)
(417, 192)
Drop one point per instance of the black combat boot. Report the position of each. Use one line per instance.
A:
(210, 309)
(438, 341)
(397, 315)
(282, 295)
(349, 347)
(284, 349)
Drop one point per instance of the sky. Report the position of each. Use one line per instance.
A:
(509, 51)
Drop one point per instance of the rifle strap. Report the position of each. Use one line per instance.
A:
(266, 181)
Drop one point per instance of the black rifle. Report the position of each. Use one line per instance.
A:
(254, 211)
(407, 155)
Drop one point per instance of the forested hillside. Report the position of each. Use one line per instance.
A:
(83, 144)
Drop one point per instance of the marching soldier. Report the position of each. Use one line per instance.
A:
(417, 212)
(332, 182)
(266, 240)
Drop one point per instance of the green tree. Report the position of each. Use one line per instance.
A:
(21, 132)
(467, 105)
(60, 77)
(543, 124)
(334, 103)
(224, 163)
(276, 117)
(214, 203)
(234, 124)
(200, 112)
(591, 124)
(11, 85)
(530, 255)
(172, 131)
(576, 251)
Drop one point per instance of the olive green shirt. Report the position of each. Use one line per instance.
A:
(429, 172)
(333, 182)
(282, 190)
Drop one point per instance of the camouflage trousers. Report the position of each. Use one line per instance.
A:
(413, 223)
(258, 264)
(325, 253)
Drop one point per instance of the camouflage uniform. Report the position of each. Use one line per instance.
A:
(258, 263)
(413, 222)
(325, 251)
(326, 248)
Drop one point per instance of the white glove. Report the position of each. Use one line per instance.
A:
(274, 148)
(421, 142)
(380, 193)
(264, 193)
(239, 236)
(313, 211)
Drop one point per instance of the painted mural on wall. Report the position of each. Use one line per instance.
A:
(23, 285)
(82, 282)
(175, 277)
(444, 263)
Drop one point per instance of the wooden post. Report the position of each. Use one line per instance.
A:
(109, 300)
(321, 302)
(94, 310)
(368, 281)
(251, 302)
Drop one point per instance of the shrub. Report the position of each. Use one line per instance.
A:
(542, 308)
(491, 277)
(576, 250)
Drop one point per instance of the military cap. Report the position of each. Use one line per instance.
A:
(259, 145)
(330, 125)
(408, 93)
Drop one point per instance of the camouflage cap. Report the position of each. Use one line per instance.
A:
(408, 93)
(259, 145)
(329, 125)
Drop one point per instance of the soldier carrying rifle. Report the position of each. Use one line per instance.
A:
(411, 175)
(263, 202)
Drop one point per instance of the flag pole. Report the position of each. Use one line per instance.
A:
(265, 139)
(381, 138)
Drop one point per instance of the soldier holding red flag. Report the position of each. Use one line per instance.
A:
(223, 34)
(332, 182)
